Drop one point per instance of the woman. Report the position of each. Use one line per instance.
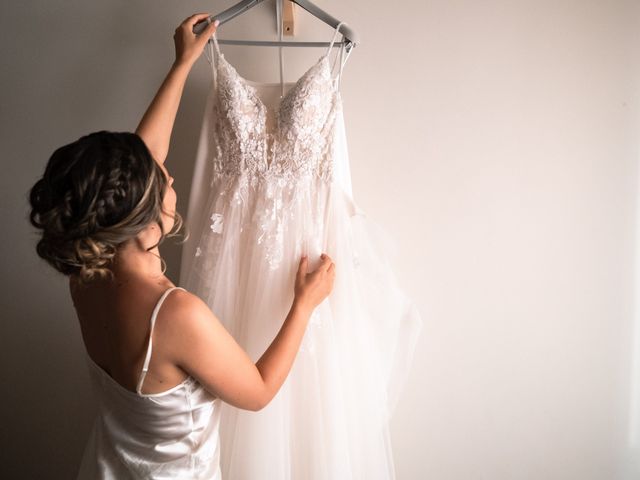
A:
(104, 204)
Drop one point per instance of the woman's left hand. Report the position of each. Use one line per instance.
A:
(189, 46)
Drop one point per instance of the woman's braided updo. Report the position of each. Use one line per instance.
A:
(95, 194)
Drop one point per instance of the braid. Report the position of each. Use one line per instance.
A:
(96, 193)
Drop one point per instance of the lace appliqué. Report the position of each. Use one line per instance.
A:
(300, 144)
(217, 223)
(282, 163)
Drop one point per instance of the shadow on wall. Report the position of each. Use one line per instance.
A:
(80, 67)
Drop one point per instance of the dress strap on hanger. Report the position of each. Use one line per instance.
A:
(335, 35)
(215, 42)
(343, 59)
(279, 21)
(335, 60)
(212, 56)
(342, 62)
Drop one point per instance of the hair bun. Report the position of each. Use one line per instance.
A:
(97, 193)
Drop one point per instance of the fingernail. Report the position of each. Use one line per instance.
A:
(215, 24)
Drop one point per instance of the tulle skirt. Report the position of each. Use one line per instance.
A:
(330, 418)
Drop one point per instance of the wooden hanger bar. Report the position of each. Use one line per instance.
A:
(288, 18)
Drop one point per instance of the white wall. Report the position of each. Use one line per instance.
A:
(497, 142)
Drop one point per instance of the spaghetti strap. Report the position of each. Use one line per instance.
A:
(342, 62)
(280, 56)
(215, 42)
(213, 50)
(335, 35)
(343, 59)
(145, 367)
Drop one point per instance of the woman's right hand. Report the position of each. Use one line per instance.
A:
(311, 288)
(188, 45)
(209, 353)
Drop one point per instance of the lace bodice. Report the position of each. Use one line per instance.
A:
(265, 165)
(298, 146)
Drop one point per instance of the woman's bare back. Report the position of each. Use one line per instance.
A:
(115, 324)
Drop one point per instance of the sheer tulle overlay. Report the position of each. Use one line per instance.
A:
(260, 199)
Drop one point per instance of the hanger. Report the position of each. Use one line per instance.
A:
(348, 35)
(350, 38)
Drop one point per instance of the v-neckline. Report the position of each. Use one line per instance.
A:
(251, 85)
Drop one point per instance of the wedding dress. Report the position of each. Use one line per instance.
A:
(272, 183)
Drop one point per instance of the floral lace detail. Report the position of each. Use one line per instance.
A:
(276, 167)
(299, 145)
(216, 223)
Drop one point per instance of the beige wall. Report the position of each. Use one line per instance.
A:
(497, 142)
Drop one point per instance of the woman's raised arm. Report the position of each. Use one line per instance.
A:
(157, 122)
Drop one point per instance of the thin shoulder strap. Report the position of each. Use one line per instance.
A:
(212, 52)
(281, 57)
(145, 367)
(335, 35)
(342, 62)
(343, 59)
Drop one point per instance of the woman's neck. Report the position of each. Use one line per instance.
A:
(134, 260)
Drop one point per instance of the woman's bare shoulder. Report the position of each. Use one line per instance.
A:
(185, 318)
(183, 301)
(186, 311)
